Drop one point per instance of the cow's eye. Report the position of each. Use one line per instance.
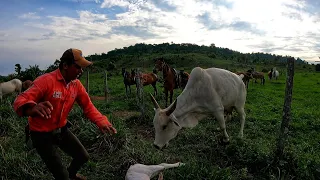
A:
(164, 127)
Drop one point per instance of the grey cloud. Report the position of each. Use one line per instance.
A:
(133, 30)
(291, 15)
(43, 37)
(311, 6)
(211, 24)
(163, 5)
(245, 26)
(222, 3)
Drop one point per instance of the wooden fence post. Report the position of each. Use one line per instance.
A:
(106, 86)
(87, 82)
(286, 117)
(140, 99)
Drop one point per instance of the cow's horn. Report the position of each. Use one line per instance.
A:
(156, 105)
(171, 108)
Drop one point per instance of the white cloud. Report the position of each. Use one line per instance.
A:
(30, 15)
(277, 26)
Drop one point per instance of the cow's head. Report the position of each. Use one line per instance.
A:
(165, 124)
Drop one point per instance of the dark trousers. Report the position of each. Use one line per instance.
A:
(47, 145)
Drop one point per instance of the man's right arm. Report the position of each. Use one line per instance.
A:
(25, 101)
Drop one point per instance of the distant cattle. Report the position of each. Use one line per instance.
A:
(14, 85)
(210, 91)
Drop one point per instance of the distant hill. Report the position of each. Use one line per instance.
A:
(184, 55)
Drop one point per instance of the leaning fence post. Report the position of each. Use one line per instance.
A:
(286, 116)
(140, 100)
(87, 82)
(106, 86)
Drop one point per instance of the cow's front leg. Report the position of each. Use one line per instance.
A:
(220, 118)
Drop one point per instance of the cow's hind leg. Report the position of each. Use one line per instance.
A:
(242, 115)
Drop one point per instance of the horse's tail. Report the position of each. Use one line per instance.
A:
(263, 80)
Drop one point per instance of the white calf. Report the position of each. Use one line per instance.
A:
(146, 172)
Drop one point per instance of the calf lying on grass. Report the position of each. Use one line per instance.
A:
(146, 172)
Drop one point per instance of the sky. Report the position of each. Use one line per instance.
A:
(39, 31)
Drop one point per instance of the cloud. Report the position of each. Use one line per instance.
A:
(30, 15)
(284, 27)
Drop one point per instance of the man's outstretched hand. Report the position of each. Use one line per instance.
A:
(108, 129)
(42, 109)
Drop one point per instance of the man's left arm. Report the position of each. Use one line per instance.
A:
(89, 110)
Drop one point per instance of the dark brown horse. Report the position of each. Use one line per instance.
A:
(128, 80)
(170, 78)
(147, 79)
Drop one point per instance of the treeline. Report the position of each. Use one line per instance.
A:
(140, 50)
(182, 55)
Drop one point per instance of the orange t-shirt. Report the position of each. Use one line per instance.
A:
(53, 88)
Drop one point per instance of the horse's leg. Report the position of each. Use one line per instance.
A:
(126, 90)
(171, 94)
(166, 93)
(155, 88)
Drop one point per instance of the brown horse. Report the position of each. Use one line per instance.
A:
(26, 84)
(183, 79)
(170, 78)
(128, 80)
(147, 79)
(257, 75)
(246, 78)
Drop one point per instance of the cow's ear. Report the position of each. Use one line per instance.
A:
(176, 122)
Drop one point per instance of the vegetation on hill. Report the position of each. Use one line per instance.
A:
(177, 55)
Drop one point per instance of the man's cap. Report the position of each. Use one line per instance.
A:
(76, 56)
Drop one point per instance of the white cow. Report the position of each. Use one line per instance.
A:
(275, 73)
(210, 91)
(146, 172)
(14, 85)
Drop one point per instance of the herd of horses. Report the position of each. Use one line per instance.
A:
(172, 79)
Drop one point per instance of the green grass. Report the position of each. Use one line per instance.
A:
(205, 159)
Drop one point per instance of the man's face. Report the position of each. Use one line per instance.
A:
(73, 71)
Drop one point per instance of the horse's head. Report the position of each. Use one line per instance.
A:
(159, 64)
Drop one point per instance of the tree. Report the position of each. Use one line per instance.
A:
(18, 68)
(54, 66)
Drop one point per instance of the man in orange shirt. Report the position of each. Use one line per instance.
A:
(48, 102)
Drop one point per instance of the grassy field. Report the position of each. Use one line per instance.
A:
(198, 148)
